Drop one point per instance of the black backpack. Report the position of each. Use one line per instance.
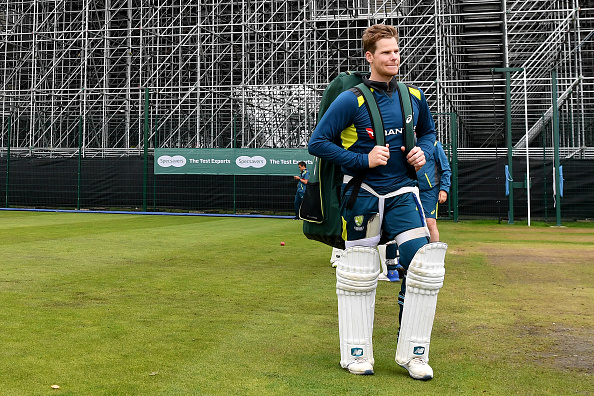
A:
(320, 208)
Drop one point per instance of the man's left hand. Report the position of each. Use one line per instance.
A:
(416, 157)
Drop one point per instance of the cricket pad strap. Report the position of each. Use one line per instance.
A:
(423, 280)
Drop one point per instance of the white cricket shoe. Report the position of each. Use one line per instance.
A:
(360, 366)
(419, 369)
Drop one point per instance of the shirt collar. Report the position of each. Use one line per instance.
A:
(389, 87)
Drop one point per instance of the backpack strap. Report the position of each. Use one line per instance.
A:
(409, 125)
(374, 114)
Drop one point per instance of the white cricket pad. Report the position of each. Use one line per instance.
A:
(423, 280)
(356, 282)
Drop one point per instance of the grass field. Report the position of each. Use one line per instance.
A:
(114, 304)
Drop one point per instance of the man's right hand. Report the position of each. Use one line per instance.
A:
(379, 156)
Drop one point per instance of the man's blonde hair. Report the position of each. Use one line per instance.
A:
(375, 33)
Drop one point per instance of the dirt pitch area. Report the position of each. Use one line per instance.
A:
(551, 292)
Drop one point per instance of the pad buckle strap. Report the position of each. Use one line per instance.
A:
(412, 234)
(405, 236)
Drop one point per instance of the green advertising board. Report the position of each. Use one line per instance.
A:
(215, 161)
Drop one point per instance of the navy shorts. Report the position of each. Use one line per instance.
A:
(394, 215)
(429, 200)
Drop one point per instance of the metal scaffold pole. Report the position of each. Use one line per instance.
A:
(556, 170)
(508, 136)
(145, 148)
(454, 131)
(79, 158)
(8, 160)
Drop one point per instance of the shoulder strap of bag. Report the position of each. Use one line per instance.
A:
(409, 125)
(407, 116)
(374, 115)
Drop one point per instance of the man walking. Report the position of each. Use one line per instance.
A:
(387, 205)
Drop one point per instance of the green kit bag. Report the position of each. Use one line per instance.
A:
(320, 209)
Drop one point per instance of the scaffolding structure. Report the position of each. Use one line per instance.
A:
(221, 74)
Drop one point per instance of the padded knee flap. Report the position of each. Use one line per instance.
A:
(356, 282)
(424, 279)
(382, 254)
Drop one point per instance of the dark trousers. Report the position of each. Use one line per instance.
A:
(298, 200)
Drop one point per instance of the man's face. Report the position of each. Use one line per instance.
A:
(385, 61)
(301, 167)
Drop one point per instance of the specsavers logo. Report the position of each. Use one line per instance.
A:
(166, 161)
(245, 162)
